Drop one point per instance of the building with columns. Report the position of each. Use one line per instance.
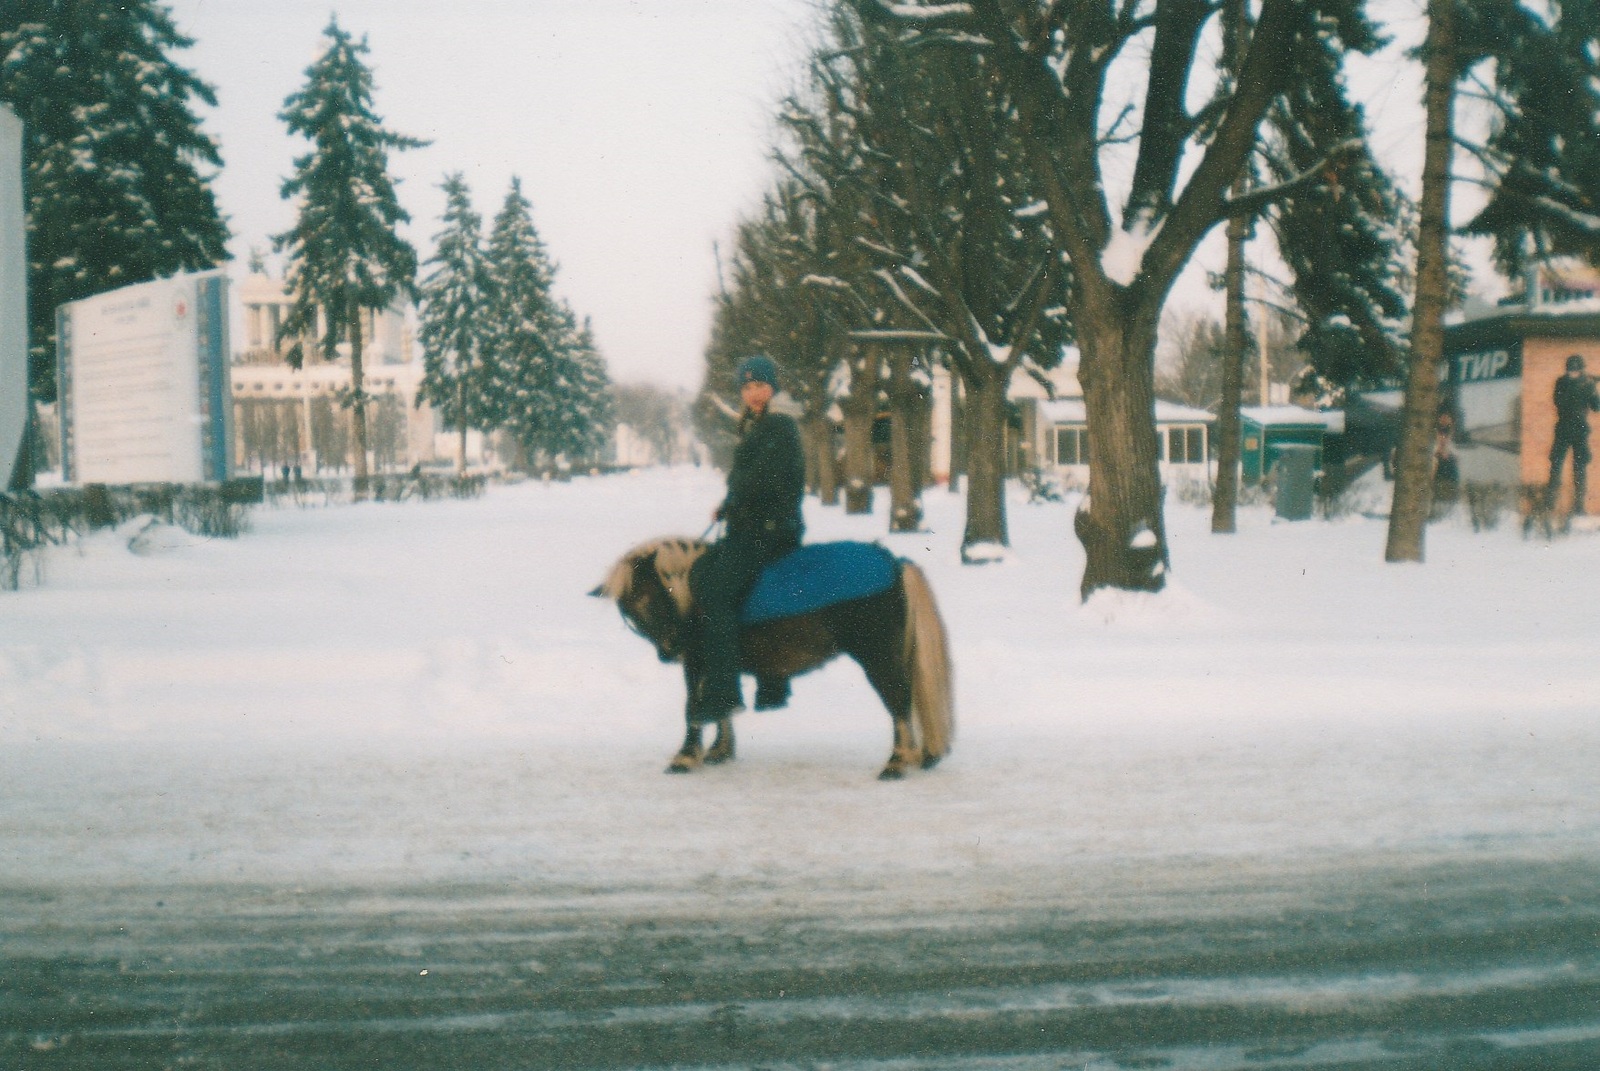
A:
(287, 418)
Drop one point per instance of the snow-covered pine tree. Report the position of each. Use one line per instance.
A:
(586, 416)
(1544, 149)
(455, 335)
(117, 170)
(525, 327)
(344, 252)
(1347, 239)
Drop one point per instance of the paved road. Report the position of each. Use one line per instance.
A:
(1470, 965)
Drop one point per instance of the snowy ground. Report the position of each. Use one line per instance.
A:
(394, 697)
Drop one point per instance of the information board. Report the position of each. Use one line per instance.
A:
(13, 297)
(144, 385)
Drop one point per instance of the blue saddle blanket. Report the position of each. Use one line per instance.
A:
(818, 575)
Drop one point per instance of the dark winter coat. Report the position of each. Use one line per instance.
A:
(766, 481)
(1575, 398)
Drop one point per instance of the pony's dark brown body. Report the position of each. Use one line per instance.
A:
(895, 636)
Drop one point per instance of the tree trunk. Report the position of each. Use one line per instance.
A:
(922, 441)
(860, 461)
(358, 405)
(1225, 497)
(905, 512)
(825, 467)
(985, 411)
(958, 432)
(1413, 486)
(461, 415)
(1121, 529)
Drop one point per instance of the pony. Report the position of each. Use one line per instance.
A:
(896, 636)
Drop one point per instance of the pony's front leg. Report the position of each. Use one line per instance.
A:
(691, 754)
(722, 747)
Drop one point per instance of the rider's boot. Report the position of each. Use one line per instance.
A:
(772, 693)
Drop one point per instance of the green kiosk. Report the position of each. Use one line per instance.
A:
(1265, 430)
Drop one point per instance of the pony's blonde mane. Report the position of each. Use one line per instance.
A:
(674, 557)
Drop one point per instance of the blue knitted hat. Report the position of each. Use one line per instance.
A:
(757, 369)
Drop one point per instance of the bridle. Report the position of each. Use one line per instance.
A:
(633, 626)
(638, 630)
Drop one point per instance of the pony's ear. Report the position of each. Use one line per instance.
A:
(598, 592)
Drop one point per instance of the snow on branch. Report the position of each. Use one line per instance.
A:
(727, 410)
(889, 334)
(881, 250)
(828, 281)
(1124, 254)
(900, 295)
(917, 280)
(971, 40)
(1585, 221)
(927, 13)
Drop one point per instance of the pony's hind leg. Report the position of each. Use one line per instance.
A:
(722, 747)
(888, 678)
(893, 687)
(906, 753)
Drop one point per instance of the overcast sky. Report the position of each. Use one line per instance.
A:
(640, 130)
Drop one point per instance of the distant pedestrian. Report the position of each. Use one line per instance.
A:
(1575, 399)
(1446, 466)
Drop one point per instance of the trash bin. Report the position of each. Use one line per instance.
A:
(1295, 472)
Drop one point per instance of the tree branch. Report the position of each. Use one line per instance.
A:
(1253, 202)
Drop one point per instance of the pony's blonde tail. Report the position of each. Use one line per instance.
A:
(928, 660)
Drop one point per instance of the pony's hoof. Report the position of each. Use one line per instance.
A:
(681, 766)
(892, 773)
(717, 759)
(930, 761)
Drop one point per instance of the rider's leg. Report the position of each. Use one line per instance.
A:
(720, 590)
(772, 691)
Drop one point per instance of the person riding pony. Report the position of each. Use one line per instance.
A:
(757, 600)
(762, 522)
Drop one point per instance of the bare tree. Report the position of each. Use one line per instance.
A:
(1192, 371)
(1055, 60)
(957, 244)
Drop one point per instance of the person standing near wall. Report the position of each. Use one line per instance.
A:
(1575, 399)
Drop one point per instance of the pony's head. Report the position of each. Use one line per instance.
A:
(650, 585)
